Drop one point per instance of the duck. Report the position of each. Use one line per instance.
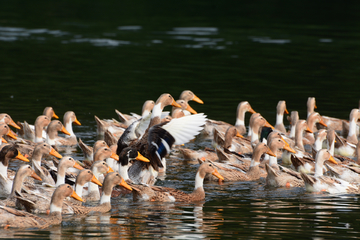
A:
(7, 153)
(40, 150)
(346, 147)
(279, 176)
(188, 95)
(50, 113)
(242, 108)
(36, 135)
(5, 131)
(101, 154)
(297, 145)
(88, 151)
(313, 119)
(98, 168)
(65, 163)
(320, 137)
(12, 218)
(165, 194)
(5, 118)
(127, 120)
(280, 111)
(293, 119)
(158, 142)
(256, 123)
(311, 105)
(103, 125)
(52, 137)
(127, 156)
(186, 109)
(245, 170)
(320, 183)
(68, 120)
(22, 173)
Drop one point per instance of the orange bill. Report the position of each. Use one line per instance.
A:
(96, 181)
(10, 134)
(251, 110)
(55, 153)
(63, 129)
(110, 170)
(308, 129)
(77, 122)
(21, 157)
(203, 159)
(3, 140)
(35, 176)
(175, 104)
(77, 166)
(12, 123)
(289, 149)
(286, 111)
(270, 152)
(239, 135)
(55, 116)
(75, 196)
(267, 124)
(190, 109)
(198, 100)
(315, 106)
(114, 156)
(142, 158)
(322, 123)
(125, 185)
(217, 174)
(286, 143)
(332, 160)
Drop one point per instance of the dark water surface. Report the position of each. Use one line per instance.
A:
(96, 56)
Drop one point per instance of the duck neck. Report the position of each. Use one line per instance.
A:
(123, 170)
(68, 127)
(279, 119)
(17, 184)
(199, 181)
(240, 119)
(36, 158)
(106, 194)
(92, 186)
(255, 135)
(292, 131)
(299, 139)
(318, 168)
(352, 131)
(79, 189)
(3, 169)
(60, 176)
(318, 144)
(255, 160)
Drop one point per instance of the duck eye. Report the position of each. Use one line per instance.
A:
(210, 165)
(69, 158)
(88, 171)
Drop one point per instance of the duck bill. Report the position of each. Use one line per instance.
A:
(114, 156)
(55, 153)
(77, 122)
(308, 130)
(190, 109)
(322, 123)
(270, 152)
(286, 111)
(332, 160)
(35, 176)
(55, 116)
(286, 143)
(125, 185)
(11, 135)
(267, 124)
(63, 130)
(3, 140)
(315, 106)
(110, 170)
(251, 110)
(75, 196)
(77, 166)
(175, 104)
(289, 149)
(142, 158)
(217, 174)
(198, 100)
(202, 159)
(21, 157)
(12, 123)
(239, 135)
(96, 181)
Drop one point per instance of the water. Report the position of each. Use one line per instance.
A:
(93, 57)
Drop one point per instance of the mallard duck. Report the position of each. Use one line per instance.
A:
(164, 194)
(158, 142)
(6, 154)
(320, 183)
(280, 111)
(13, 218)
(126, 156)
